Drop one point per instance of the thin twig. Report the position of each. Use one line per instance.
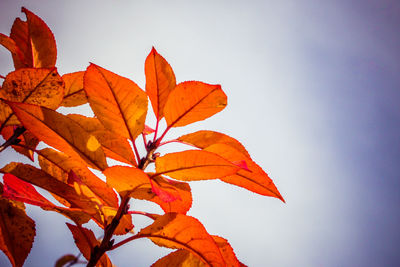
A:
(13, 139)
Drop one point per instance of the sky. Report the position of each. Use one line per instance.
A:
(313, 93)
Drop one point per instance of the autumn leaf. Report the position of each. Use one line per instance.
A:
(118, 102)
(160, 81)
(17, 231)
(16, 53)
(16, 189)
(181, 199)
(61, 132)
(227, 251)
(66, 259)
(40, 178)
(27, 141)
(174, 230)
(35, 40)
(59, 165)
(43, 87)
(203, 139)
(74, 95)
(179, 258)
(192, 165)
(85, 240)
(255, 180)
(193, 101)
(114, 146)
(125, 179)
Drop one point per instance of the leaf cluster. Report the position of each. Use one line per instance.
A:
(30, 96)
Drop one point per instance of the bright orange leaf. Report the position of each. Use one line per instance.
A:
(179, 258)
(193, 101)
(203, 139)
(160, 81)
(74, 95)
(255, 180)
(114, 146)
(61, 132)
(26, 139)
(125, 179)
(85, 240)
(42, 87)
(118, 102)
(17, 231)
(16, 53)
(174, 230)
(192, 165)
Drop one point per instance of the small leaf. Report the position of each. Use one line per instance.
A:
(118, 102)
(43, 87)
(125, 179)
(192, 165)
(16, 53)
(74, 95)
(179, 258)
(61, 132)
(193, 101)
(85, 240)
(160, 81)
(255, 180)
(69, 258)
(17, 232)
(114, 146)
(16, 189)
(43, 44)
(179, 190)
(203, 139)
(227, 251)
(174, 230)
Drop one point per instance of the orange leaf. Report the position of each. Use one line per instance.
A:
(17, 231)
(174, 230)
(16, 53)
(203, 139)
(16, 189)
(20, 34)
(179, 190)
(43, 87)
(40, 40)
(114, 146)
(118, 102)
(125, 179)
(193, 101)
(61, 132)
(194, 165)
(179, 258)
(40, 178)
(74, 94)
(226, 251)
(160, 81)
(59, 165)
(85, 240)
(26, 139)
(255, 180)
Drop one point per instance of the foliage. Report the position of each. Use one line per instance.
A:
(30, 96)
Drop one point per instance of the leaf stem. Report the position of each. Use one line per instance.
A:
(136, 152)
(13, 139)
(155, 131)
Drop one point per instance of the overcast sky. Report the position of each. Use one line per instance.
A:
(313, 94)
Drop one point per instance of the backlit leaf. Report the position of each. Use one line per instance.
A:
(43, 87)
(160, 81)
(193, 101)
(61, 132)
(174, 230)
(179, 190)
(74, 95)
(118, 102)
(194, 165)
(255, 180)
(85, 240)
(20, 34)
(43, 44)
(179, 258)
(125, 179)
(60, 165)
(66, 259)
(227, 251)
(114, 146)
(17, 231)
(16, 53)
(203, 139)
(16, 189)
(40, 178)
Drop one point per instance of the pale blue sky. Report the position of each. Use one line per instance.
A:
(313, 94)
